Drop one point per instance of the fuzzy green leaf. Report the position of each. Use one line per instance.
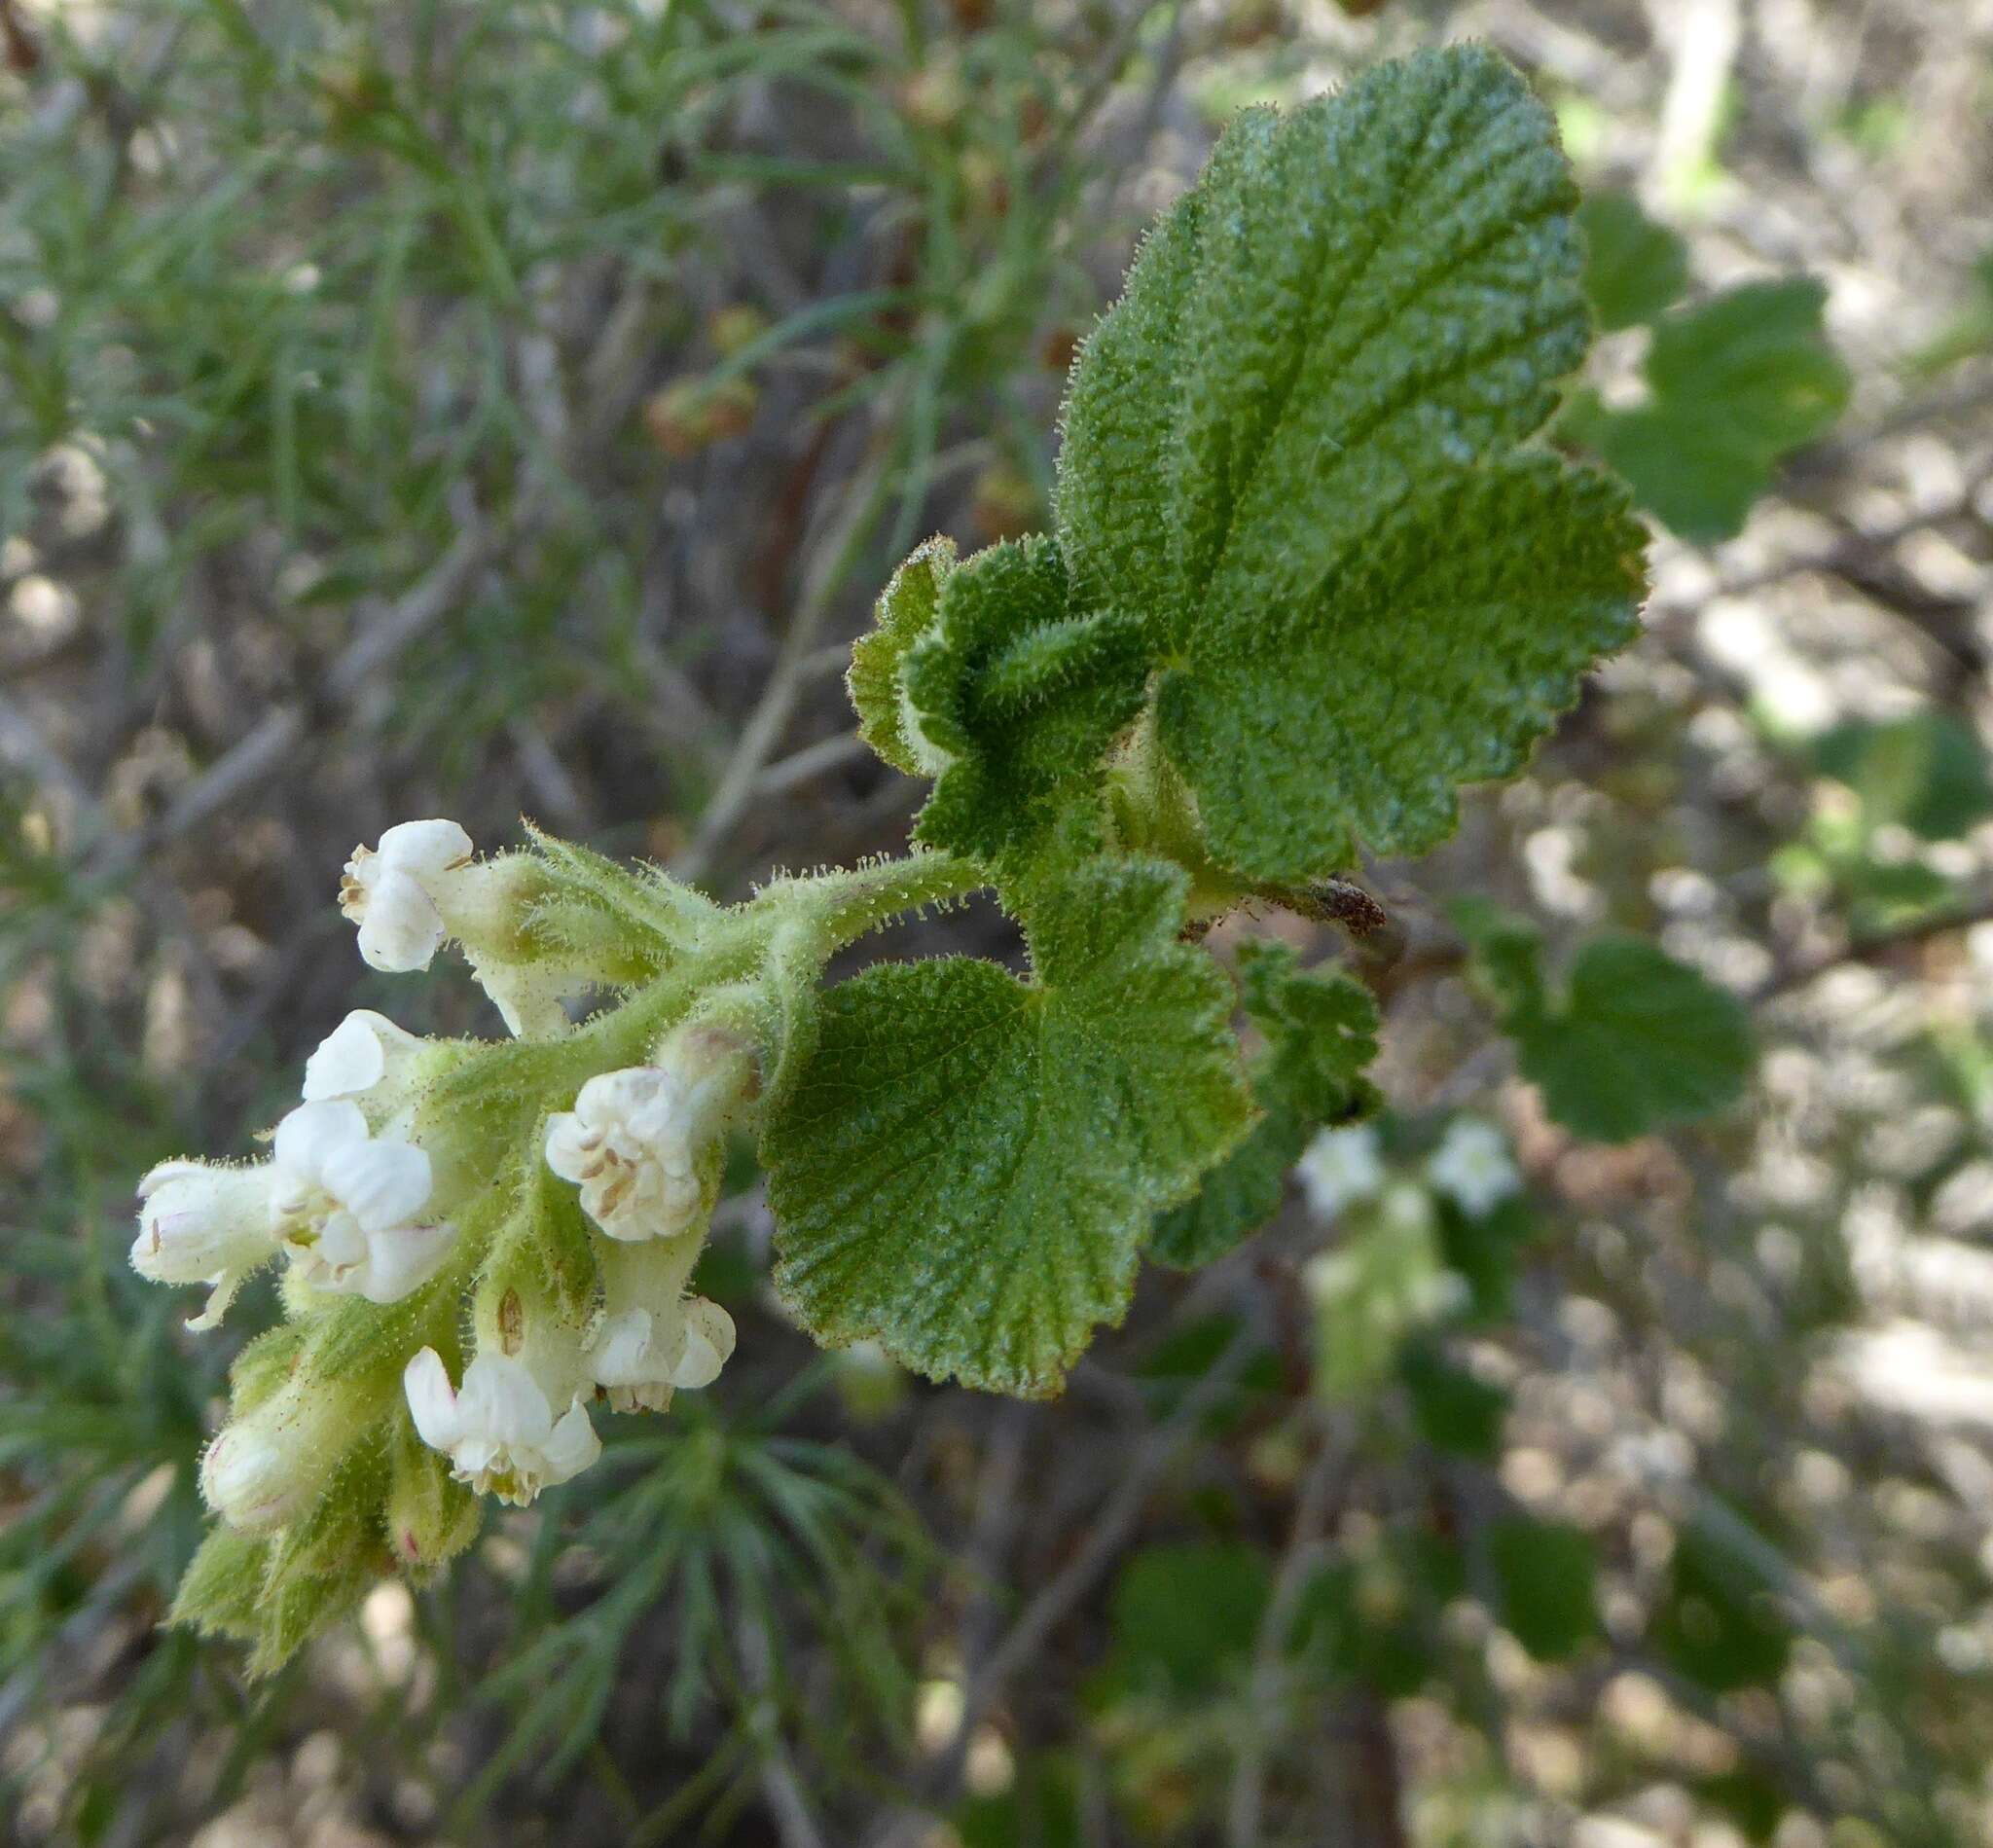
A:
(1734, 386)
(1633, 267)
(1636, 1041)
(905, 612)
(1015, 700)
(966, 1166)
(1292, 450)
(1321, 1031)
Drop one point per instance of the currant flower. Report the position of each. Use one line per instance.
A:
(347, 1204)
(199, 1222)
(362, 1053)
(653, 1339)
(1341, 1168)
(634, 1137)
(390, 892)
(1472, 1166)
(499, 1431)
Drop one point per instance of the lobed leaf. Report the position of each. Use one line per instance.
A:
(1291, 448)
(966, 1164)
(1321, 1031)
(1633, 267)
(1016, 699)
(1734, 386)
(905, 612)
(1636, 1041)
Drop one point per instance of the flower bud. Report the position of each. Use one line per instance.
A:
(269, 1466)
(430, 1517)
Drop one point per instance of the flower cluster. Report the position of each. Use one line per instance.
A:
(381, 1185)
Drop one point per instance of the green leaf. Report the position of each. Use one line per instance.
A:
(1454, 1411)
(1734, 386)
(1718, 1621)
(1186, 1614)
(1636, 1042)
(1633, 267)
(1293, 449)
(1015, 700)
(965, 1166)
(905, 612)
(1926, 773)
(1321, 1031)
(1545, 1572)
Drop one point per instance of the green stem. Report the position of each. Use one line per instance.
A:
(846, 905)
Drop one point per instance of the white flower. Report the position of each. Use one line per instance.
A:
(1341, 1166)
(1472, 1165)
(356, 1056)
(631, 1141)
(346, 1206)
(640, 1356)
(392, 892)
(202, 1223)
(499, 1432)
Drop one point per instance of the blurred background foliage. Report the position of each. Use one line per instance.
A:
(486, 409)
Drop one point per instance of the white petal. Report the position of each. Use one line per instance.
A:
(402, 1260)
(571, 1446)
(221, 1293)
(567, 1155)
(620, 1353)
(381, 1184)
(315, 1135)
(708, 1345)
(179, 1167)
(432, 1405)
(425, 847)
(401, 929)
(353, 1057)
(502, 1401)
(613, 1097)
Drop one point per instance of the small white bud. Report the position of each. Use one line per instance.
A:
(269, 1465)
